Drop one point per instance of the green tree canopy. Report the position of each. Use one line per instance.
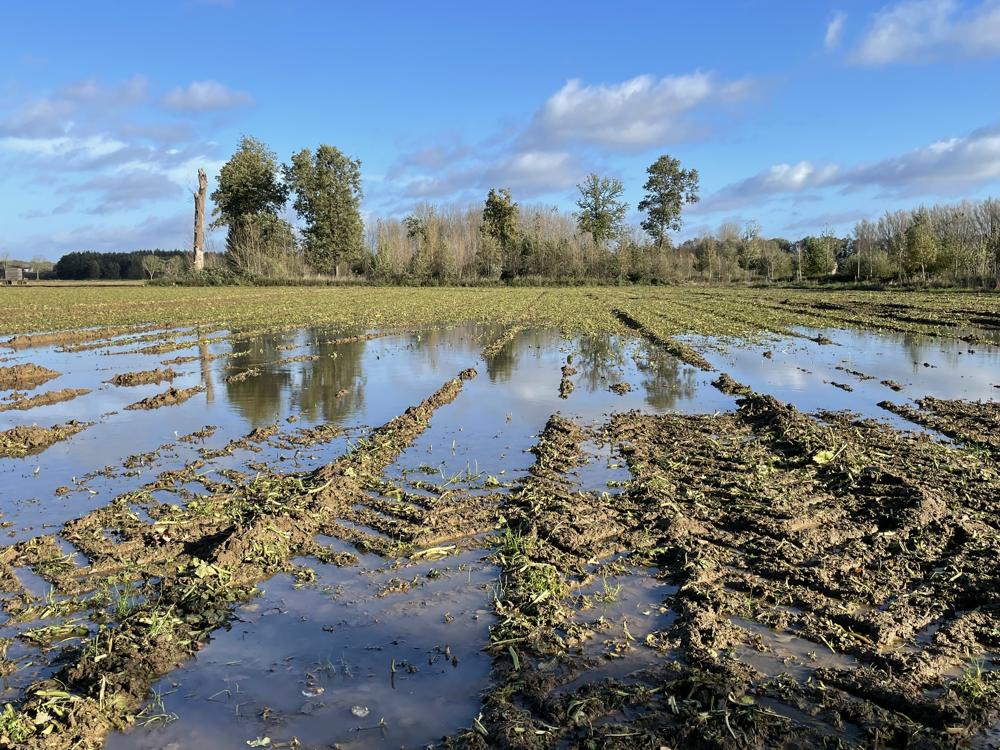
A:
(819, 254)
(668, 188)
(921, 245)
(328, 194)
(500, 229)
(602, 212)
(248, 184)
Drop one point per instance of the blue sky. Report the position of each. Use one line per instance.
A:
(799, 115)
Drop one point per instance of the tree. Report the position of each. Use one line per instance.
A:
(152, 265)
(668, 188)
(819, 255)
(772, 259)
(500, 229)
(260, 245)
(921, 246)
(198, 249)
(37, 262)
(328, 194)
(601, 212)
(749, 248)
(865, 239)
(248, 185)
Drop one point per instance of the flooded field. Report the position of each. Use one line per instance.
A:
(636, 532)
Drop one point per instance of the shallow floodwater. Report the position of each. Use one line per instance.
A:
(374, 656)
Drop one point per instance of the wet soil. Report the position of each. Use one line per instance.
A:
(641, 560)
(170, 397)
(25, 376)
(144, 377)
(44, 399)
(27, 440)
(974, 423)
(824, 592)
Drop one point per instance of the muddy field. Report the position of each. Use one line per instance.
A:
(562, 519)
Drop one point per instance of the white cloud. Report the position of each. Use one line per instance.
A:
(946, 167)
(205, 96)
(87, 147)
(780, 178)
(563, 138)
(528, 173)
(943, 167)
(92, 90)
(641, 112)
(925, 30)
(91, 147)
(834, 30)
(128, 189)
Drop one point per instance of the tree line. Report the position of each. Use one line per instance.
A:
(501, 240)
(498, 241)
(139, 264)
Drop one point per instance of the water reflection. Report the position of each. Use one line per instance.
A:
(259, 398)
(332, 386)
(666, 380)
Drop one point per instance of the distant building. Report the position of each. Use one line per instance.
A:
(13, 275)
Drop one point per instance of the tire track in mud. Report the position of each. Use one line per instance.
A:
(975, 424)
(835, 581)
(676, 348)
(192, 566)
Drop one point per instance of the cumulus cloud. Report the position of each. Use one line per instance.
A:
(549, 152)
(828, 219)
(834, 30)
(639, 113)
(925, 30)
(528, 173)
(56, 114)
(780, 178)
(92, 147)
(946, 167)
(437, 156)
(205, 96)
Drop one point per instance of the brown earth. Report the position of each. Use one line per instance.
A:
(24, 440)
(25, 377)
(143, 377)
(43, 399)
(974, 423)
(170, 397)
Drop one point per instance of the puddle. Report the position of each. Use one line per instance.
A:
(297, 660)
(783, 652)
(337, 662)
(485, 432)
(804, 373)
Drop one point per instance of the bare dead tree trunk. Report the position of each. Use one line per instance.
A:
(206, 370)
(199, 221)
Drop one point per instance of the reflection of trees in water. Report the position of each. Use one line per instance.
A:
(324, 378)
(206, 370)
(501, 366)
(259, 398)
(427, 343)
(915, 347)
(313, 393)
(599, 360)
(666, 380)
(433, 345)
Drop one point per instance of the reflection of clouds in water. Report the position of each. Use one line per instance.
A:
(956, 374)
(535, 392)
